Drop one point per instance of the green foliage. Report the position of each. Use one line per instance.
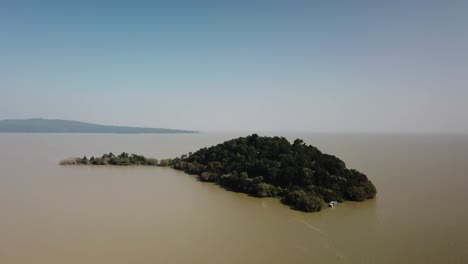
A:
(124, 159)
(206, 176)
(365, 190)
(301, 174)
(152, 161)
(304, 201)
(85, 160)
(309, 203)
(263, 189)
(165, 162)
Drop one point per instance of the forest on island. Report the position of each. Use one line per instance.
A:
(299, 174)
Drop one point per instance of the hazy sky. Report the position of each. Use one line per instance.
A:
(386, 66)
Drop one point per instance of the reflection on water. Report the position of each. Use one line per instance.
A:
(54, 214)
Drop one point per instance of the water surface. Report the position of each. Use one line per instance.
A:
(78, 214)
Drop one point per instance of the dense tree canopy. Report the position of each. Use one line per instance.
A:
(124, 159)
(303, 176)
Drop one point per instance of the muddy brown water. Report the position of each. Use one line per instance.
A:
(83, 214)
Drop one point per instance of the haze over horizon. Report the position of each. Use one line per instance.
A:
(360, 66)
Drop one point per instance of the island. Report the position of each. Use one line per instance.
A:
(299, 174)
(41, 125)
(123, 159)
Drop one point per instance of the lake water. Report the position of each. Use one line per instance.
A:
(78, 214)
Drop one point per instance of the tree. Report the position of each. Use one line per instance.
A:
(152, 161)
(263, 189)
(309, 203)
(205, 176)
(165, 162)
(300, 174)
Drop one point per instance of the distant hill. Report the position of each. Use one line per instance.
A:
(40, 125)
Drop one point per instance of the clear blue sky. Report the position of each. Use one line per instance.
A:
(341, 66)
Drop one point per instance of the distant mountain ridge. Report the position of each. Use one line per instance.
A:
(41, 125)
